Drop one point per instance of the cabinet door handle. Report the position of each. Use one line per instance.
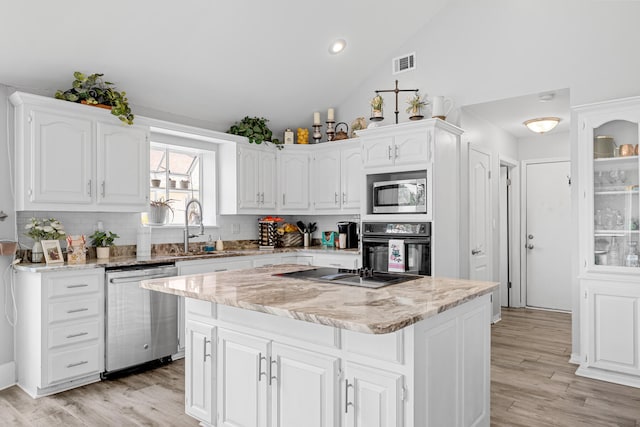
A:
(262, 198)
(83, 285)
(346, 396)
(89, 188)
(220, 269)
(77, 310)
(260, 373)
(79, 334)
(73, 365)
(258, 198)
(102, 188)
(335, 264)
(389, 152)
(271, 376)
(283, 199)
(335, 198)
(395, 152)
(205, 349)
(344, 198)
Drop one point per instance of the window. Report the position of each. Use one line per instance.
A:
(182, 170)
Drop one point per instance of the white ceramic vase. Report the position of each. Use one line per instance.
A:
(102, 252)
(37, 254)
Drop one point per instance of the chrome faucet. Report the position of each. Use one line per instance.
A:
(187, 236)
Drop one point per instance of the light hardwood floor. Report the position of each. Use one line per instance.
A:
(532, 384)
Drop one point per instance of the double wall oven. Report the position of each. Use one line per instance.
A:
(413, 237)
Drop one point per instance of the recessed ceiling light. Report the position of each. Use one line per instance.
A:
(337, 46)
(542, 124)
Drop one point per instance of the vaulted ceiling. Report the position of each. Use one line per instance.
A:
(208, 62)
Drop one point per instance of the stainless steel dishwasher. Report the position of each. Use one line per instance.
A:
(141, 326)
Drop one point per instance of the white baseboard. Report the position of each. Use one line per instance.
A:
(576, 359)
(7, 375)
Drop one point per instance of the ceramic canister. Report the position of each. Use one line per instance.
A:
(603, 146)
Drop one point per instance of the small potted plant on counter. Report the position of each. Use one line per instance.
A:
(102, 240)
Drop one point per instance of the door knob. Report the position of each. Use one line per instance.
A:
(529, 246)
(475, 251)
(530, 236)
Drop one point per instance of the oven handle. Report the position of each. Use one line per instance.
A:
(408, 240)
(132, 279)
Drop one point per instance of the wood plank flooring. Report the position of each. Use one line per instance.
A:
(532, 384)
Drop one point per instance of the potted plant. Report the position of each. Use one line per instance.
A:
(415, 107)
(254, 128)
(43, 229)
(376, 107)
(93, 90)
(102, 240)
(159, 211)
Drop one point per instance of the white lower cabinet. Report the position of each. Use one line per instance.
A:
(338, 260)
(200, 371)
(60, 330)
(373, 397)
(610, 314)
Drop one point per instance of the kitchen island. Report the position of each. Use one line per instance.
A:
(262, 347)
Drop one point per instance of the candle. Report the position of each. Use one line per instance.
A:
(316, 118)
(330, 115)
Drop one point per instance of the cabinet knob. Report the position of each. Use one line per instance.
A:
(530, 236)
(529, 246)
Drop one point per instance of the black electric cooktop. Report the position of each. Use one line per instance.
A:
(343, 276)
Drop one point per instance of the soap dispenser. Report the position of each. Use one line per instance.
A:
(209, 246)
(219, 244)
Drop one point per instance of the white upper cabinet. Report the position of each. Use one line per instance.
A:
(337, 178)
(293, 181)
(247, 178)
(121, 153)
(71, 157)
(60, 169)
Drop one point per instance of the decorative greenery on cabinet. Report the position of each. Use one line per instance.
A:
(254, 128)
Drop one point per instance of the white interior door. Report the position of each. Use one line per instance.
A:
(547, 235)
(479, 215)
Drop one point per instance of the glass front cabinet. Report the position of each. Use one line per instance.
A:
(609, 215)
(609, 202)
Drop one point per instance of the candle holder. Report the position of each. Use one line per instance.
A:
(330, 130)
(317, 135)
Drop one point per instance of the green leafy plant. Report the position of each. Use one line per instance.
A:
(254, 128)
(415, 104)
(93, 90)
(103, 238)
(44, 229)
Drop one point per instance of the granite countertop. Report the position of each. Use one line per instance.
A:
(125, 261)
(376, 311)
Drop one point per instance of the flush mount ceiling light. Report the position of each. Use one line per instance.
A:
(542, 124)
(337, 46)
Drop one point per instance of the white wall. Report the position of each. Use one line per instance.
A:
(545, 146)
(479, 51)
(7, 231)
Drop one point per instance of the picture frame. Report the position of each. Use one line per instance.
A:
(52, 251)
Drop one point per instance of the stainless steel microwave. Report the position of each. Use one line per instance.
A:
(400, 196)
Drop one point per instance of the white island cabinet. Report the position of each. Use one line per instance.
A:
(608, 135)
(373, 362)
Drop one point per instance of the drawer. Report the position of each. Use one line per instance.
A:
(349, 261)
(71, 310)
(387, 347)
(63, 285)
(200, 307)
(74, 333)
(65, 365)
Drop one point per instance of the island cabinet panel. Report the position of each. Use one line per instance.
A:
(373, 397)
(304, 387)
(200, 380)
(243, 379)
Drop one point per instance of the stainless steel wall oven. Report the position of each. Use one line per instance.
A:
(414, 236)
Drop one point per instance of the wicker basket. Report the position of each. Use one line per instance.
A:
(291, 239)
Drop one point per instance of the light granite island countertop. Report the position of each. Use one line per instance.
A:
(264, 349)
(377, 311)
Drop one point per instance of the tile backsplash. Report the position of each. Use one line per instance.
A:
(229, 227)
